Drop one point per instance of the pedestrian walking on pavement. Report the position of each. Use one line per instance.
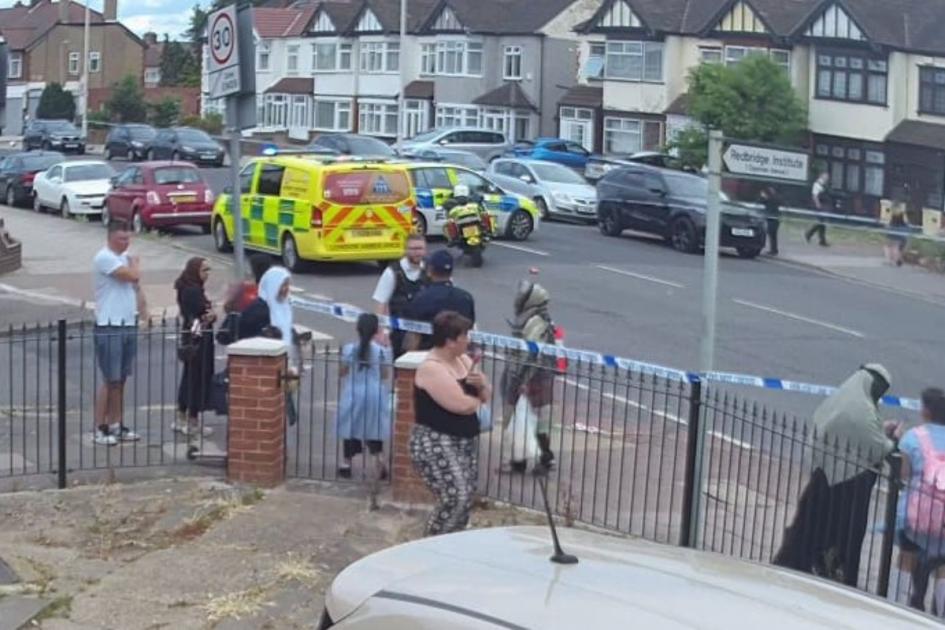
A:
(772, 203)
(849, 446)
(195, 348)
(364, 405)
(119, 303)
(438, 296)
(528, 380)
(449, 389)
(896, 238)
(920, 517)
(244, 293)
(821, 199)
(399, 285)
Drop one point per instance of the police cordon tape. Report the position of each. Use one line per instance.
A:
(349, 313)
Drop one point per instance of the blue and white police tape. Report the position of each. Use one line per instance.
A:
(349, 313)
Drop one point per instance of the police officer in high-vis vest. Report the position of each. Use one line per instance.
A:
(399, 285)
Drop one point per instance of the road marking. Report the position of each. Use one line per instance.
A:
(522, 248)
(641, 276)
(46, 297)
(800, 318)
(731, 440)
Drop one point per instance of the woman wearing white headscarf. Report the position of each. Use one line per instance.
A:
(850, 442)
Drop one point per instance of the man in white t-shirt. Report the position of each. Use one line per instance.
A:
(820, 197)
(399, 285)
(118, 304)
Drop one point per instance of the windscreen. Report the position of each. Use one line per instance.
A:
(193, 135)
(176, 175)
(687, 185)
(87, 172)
(557, 173)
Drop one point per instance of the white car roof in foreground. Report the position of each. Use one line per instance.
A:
(505, 574)
(71, 163)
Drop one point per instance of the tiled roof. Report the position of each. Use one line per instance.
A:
(917, 133)
(502, 16)
(419, 89)
(293, 85)
(679, 106)
(583, 96)
(22, 25)
(272, 23)
(506, 95)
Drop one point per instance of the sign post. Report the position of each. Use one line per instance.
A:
(757, 161)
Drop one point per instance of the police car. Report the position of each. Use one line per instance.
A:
(516, 216)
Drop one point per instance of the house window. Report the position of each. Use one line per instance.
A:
(379, 57)
(74, 59)
(626, 135)
(331, 115)
(851, 77)
(932, 91)
(152, 76)
(782, 58)
(710, 55)
(15, 65)
(344, 57)
(594, 65)
(523, 127)
(495, 119)
(300, 115)
(377, 118)
(393, 57)
(95, 62)
(853, 167)
(513, 63)
(457, 116)
(459, 58)
(324, 57)
(427, 59)
(474, 58)
(634, 61)
(292, 59)
(262, 56)
(274, 111)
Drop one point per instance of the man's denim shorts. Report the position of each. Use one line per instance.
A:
(115, 349)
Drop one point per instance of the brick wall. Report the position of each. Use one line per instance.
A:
(189, 98)
(11, 255)
(406, 485)
(256, 442)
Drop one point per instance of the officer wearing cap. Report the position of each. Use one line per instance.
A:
(438, 296)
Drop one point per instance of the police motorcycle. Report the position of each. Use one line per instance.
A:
(468, 225)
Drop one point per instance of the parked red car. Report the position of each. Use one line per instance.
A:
(159, 194)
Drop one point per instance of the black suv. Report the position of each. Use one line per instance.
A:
(47, 135)
(17, 172)
(350, 144)
(185, 143)
(672, 204)
(129, 141)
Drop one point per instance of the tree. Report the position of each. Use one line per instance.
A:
(165, 113)
(751, 100)
(127, 101)
(179, 65)
(55, 102)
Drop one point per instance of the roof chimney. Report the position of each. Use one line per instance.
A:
(64, 11)
(150, 38)
(110, 12)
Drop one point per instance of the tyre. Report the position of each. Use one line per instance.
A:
(419, 223)
(609, 224)
(45, 146)
(683, 236)
(137, 222)
(37, 204)
(130, 156)
(109, 156)
(542, 209)
(106, 215)
(150, 155)
(475, 258)
(10, 196)
(748, 252)
(290, 254)
(64, 209)
(520, 225)
(220, 240)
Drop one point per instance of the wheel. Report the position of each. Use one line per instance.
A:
(419, 223)
(11, 196)
(220, 240)
(520, 225)
(683, 236)
(130, 156)
(109, 156)
(542, 209)
(290, 254)
(137, 222)
(46, 146)
(609, 224)
(475, 258)
(106, 215)
(37, 204)
(64, 209)
(748, 252)
(150, 155)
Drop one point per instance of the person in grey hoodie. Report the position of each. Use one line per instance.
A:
(849, 443)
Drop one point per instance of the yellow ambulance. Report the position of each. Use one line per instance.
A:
(319, 209)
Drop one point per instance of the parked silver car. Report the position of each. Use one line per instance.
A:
(485, 143)
(449, 156)
(502, 578)
(558, 190)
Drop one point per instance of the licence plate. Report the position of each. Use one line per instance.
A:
(71, 145)
(183, 199)
(471, 230)
(743, 232)
(364, 234)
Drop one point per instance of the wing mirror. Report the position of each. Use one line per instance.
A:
(113, 181)
(658, 191)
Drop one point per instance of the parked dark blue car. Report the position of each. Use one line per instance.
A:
(566, 152)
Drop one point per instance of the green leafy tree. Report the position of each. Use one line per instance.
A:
(751, 100)
(165, 113)
(179, 65)
(55, 102)
(127, 101)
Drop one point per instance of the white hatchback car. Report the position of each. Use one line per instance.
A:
(73, 188)
(502, 578)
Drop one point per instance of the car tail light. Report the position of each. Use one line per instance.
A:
(316, 216)
(27, 178)
(207, 195)
(153, 198)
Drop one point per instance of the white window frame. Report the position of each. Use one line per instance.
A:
(462, 52)
(711, 54)
(378, 118)
(74, 59)
(152, 76)
(15, 65)
(449, 115)
(95, 62)
(392, 56)
(428, 59)
(634, 50)
(292, 59)
(276, 110)
(345, 56)
(596, 56)
(615, 125)
(341, 114)
(299, 113)
(512, 62)
(263, 52)
(379, 57)
(318, 58)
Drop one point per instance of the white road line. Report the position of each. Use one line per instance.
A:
(641, 276)
(800, 318)
(731, 440)
(521, 248)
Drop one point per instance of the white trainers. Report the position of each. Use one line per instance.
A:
(124, 434)
(193, 430)
(104, 439)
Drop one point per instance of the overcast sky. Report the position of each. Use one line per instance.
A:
(161, 16)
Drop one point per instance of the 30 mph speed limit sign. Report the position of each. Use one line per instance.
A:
(224, 67)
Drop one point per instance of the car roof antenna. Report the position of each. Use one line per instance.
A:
(559, 557)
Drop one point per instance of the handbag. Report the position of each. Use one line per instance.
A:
(229, 329)
(188, 344)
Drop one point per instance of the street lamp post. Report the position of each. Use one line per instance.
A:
(402, 104)
(85, 73)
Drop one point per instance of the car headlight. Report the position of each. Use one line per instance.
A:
(136, 144)
(563, 197)
(187, 149)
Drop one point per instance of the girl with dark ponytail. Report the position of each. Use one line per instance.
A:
(364, 406)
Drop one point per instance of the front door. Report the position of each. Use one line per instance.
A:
(299, 118)
(415, 118)
(577, 125)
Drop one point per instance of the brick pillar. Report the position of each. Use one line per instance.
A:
(256, 441)
(406, 485)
